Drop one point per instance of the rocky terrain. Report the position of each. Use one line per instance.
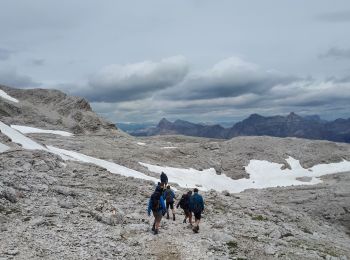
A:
(293, 125)
(56, 209)
(52, 109)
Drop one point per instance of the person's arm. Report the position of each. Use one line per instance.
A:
(149, 208)
(178, 203)
(163, 205)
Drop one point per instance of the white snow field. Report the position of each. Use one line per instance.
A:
(18, 138)
(3, 148)
(33, 130)
(109, 166)
(140, 143)
(4, 95)
(262, 174)
(29, 144)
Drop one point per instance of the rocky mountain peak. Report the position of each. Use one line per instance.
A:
(294, 117)
(164, 123)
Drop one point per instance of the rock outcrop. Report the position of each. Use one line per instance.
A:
(51, 109)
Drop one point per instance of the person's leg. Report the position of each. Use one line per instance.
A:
(172, 209)
(190, 217)
(186, 216)
(155, 220)
(197, 220)
(167, 209)
(158, 219)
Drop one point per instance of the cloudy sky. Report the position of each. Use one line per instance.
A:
(197, 60)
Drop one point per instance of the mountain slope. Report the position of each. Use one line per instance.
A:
(51, 109)
(181, 127)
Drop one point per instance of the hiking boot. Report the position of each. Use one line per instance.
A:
(184, 221)
(156, 231)
(167, 216)
(174, 217)
(195, 229)
(153, 227)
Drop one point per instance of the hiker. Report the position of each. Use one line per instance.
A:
(169, 197)
(163, 179)
(184, 203)
(197, 207)
(156, 205)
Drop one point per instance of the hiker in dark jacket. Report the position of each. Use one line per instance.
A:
(157, 206)
(169, 197)
(197, 207)
(163, 179)
(184, 203)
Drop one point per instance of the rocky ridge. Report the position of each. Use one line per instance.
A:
(292, 125)
(51, 109)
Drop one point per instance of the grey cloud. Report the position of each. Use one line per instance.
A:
(338, 16)
(304, 96)
(11, 77)
(336, 53)
(134, 81)
(5, 54)
(229, 78)
(38, 62)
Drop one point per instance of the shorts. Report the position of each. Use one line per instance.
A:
(188, 213)
(157, 215)
(170, 204)
(198, 215)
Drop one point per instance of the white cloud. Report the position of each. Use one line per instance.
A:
(134, 81)
(228, 78)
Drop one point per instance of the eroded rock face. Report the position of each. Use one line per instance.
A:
(52, 109)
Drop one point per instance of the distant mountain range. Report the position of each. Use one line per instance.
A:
(292, 125)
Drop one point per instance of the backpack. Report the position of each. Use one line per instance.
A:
(155, 201)
(169, 197)
(184, 202)
(196, 205)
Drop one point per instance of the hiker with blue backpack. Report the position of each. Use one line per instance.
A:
(169, 197)
(157, 206)
(197, 207)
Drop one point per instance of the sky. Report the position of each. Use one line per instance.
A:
(197, 60)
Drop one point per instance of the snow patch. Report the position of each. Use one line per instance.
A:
(140, 143)
(262, 174)
(18, 138)
(3, 148)
(169, 147)
(32, 130)
(111, 167)
(4, 95)
(29, 144)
